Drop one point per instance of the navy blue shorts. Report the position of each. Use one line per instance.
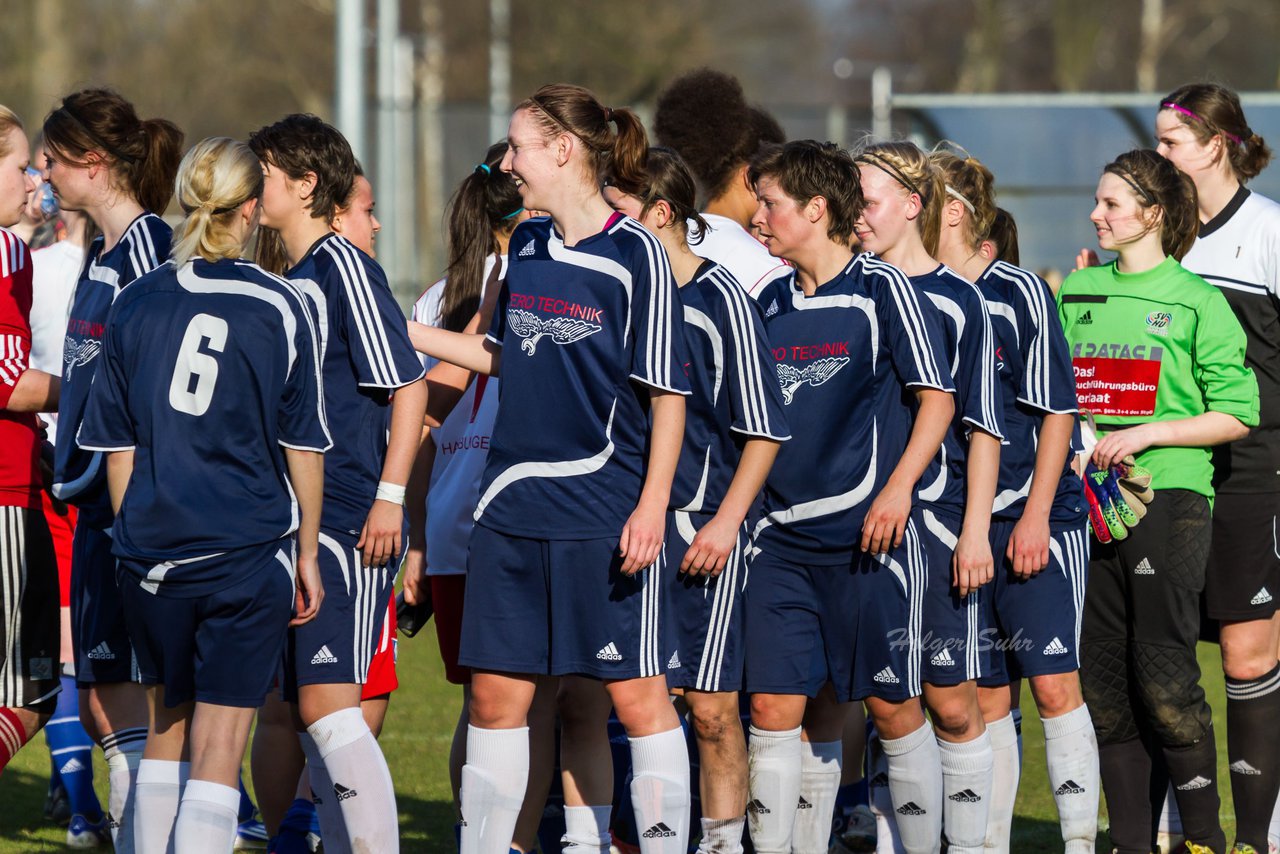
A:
(706, 614)
(1037, 620)
(855, 624)
(223, 648)
(336, 647)
(103, 650)
(559, 607)
(952, 626)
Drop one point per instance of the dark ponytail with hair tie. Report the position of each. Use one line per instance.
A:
(563, 107)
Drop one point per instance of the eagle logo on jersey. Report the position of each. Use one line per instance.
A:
(815, 374)
(78, 353)
(563, 330)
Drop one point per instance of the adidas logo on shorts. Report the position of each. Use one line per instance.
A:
(674, 661)
(324, 656)
(756, 807)
(1242, 767)
(527, 250)
(943, 659)
(968, 796)
(1055, 647)
(609, 653)
(1262, 597)
(887, 677)
(772, 309)
(1196, 782)
(102, 652)
(658, 831)
(911, 808)
(804, 805)
(343, 793)
(73, 765)
(1144, 567)
(1071, 787)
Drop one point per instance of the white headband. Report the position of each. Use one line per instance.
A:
(955, 194)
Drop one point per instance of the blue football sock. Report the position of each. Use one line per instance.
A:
(72, 752)
(298, 822)
(247, 809)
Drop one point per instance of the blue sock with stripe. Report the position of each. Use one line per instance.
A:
(72, 751)
(298, 822)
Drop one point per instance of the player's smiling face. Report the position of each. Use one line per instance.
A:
(15, 183)
(1118, 217)
(887, 213)
(530, 159)
(1178, 144)
(783, 226)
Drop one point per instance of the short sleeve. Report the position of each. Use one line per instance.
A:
(372, 323)
(910, 331)
(498, 326)
(107, 424)
(1227, 385)
(659, 356)
(300, 417)
(755, 398)
(15, 313)
(1048, 382)
(977, 392)
(427, 311)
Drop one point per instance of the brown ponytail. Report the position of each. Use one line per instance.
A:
(1210, 110)
(563, 107)
(967, 180)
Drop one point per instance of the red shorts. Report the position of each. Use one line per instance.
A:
(61, 529)
(447, 593)
(381, 679)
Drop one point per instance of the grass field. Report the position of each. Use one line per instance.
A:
(416, 742)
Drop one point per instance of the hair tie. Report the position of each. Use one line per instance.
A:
(1129, 179)
(608, 114)
(956, 194)
(1178, 108)
(873, 158)
(93, 137)
(484, 167)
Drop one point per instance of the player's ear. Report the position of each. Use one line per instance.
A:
(953, 212)
(816, 208)
(306, 186)
(663, 214)
(564, 146)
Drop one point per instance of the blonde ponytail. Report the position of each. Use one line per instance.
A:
(215, 178)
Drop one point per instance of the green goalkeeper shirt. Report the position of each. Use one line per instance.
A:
(1157, 346)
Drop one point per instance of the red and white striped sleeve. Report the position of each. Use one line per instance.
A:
(15, 312)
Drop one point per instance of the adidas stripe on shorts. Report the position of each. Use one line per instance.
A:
(953, 627)
(1037, 620)
(103, 649)
(28, 610)
(857, 624)
(1243, 581)
(559, 607)
(705, 614)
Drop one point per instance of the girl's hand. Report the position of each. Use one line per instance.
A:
(711, 548)
(309, 593)
(886, 521)
(641, 541)
(379, 542)
(1029, 546)
(1114, 447)
(1086, 258)
(972, 565)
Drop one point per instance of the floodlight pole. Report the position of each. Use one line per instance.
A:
(499, 68)
(349, 57)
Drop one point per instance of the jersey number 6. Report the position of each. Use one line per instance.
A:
(196, 372)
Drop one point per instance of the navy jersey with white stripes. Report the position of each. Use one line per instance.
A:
(735, 396)
(367, 355)
(78, 475)
(1036, 378)
(848, 357)
(209, 371)
(968, 340)
(584, 330)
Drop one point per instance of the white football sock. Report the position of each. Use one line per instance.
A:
(493, 784)
(207, 818)
(157, 792)
(819, 779)
(915, 784)
(123, 751)
(966, 785)
(361, 781)
(722, 835)
(333, 827)
(660, 791)
(586, 829)
(1170, 819)
(887, 839)
(1273, 833)
(773, 762)
(1071, 754)
(1006, 769)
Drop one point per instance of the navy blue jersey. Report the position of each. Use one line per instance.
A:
(968, 339)
(78, 475)
(735, 397)
(209, 371)
(583, 329)
(847, 359)
(367, 354)
(1036, 378)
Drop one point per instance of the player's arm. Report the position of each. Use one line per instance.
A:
(119, 470)
(1200, 431)
(306, 475)
(415, 496)
(886, 521)
(471, 352)
(642, 535)
(972, 564)
(1029, 542)
(447, 382)
(380, 539)
(35, 391)
(716, 540)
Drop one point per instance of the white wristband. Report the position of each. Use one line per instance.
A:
(390, 492)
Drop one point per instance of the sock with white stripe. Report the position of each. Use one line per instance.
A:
(966, 785)
(915, 785)
(1006, 769)
(1194, 772)
(586, 829)
(1253, 706)
(820, 768)
(72, 752)
(123, 751)
(361, 780)
(332, 825)
(660, 791)
(887, 839)
(493, 785)
(157, 793)
(206, 818)
(1170, 820)
(12, 736)
(1071, 754)
(773, 761)
(722, 835)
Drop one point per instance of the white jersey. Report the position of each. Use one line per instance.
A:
(55, 270)
(1239, 252)
(732, 247)
(462, 445)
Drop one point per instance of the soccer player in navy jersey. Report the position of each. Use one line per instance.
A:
(838, 580)
(374, 378)
(573, 504)
(1038, 530)
(208, 405)
(103, 160)
(904, 193)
